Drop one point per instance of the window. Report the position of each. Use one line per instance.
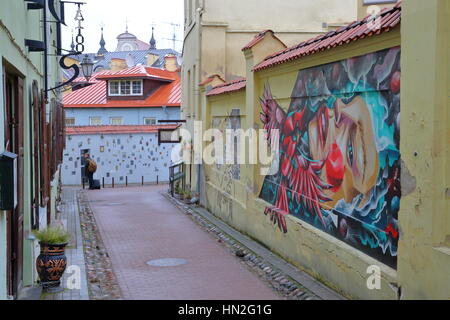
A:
(95, 121)
(150, 121)
(137, 87)
(116, 121)
(70, 121)
(114, 87)
(125, 88)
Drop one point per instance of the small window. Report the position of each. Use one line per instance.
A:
(116, 121)
(125, 88)
(95, 121)
(137, 87)
(114, 88)
(70, 122)
(150, 121)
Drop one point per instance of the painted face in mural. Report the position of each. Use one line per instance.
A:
(339, 151)
(344, 137)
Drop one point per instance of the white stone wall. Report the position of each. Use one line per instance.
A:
(119, 156)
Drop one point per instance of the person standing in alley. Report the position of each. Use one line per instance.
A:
(90, 168)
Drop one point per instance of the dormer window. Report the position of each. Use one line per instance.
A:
(125, 87)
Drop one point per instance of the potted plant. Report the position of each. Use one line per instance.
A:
(52, 261)
(187, 196)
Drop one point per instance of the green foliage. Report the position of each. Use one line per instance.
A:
(188, 194)
(178, 190)
(53, 235)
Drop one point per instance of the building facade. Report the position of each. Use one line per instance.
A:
(346, 196)
(30, 127)
(216, 30)
(116, 120)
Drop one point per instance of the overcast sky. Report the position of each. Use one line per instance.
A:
(113, 14)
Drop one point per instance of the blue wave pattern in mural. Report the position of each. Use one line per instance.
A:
(339, 152)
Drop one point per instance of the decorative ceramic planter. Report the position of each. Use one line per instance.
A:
(51, 265)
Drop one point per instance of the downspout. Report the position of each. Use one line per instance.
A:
(45, 52)
(199, 12)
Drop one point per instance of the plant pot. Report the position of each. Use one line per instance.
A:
(187, 200)
(51, 264)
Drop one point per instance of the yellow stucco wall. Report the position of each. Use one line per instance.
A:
(424, 248)
(323, 256)
(424, 223)
(216, 31)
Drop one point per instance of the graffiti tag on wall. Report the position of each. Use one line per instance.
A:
(339, 152)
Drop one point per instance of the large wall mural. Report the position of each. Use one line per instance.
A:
(339, 152)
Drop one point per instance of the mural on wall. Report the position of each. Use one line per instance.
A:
(339, 152)
(228, 172)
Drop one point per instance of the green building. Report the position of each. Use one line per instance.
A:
(31, 127)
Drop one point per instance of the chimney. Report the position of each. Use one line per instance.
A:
(170, 63)
(151, 59)
(117, 64)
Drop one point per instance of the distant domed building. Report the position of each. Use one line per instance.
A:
(129, 42)
(130, 52)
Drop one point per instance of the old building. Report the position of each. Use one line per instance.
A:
(116, 119)
(356, 191)
(31, 120)
(216, 30)
(130, 51)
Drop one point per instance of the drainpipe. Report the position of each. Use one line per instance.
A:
(199, 13)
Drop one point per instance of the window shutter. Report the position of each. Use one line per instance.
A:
(44, 152)
(36, 167)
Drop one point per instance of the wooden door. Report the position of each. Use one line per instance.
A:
(14, 143)
(19, 212)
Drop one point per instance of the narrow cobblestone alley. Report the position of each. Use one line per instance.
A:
(139, 227)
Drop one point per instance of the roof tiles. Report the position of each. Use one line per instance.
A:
(369, 26)
(95, 95)
(228, 87)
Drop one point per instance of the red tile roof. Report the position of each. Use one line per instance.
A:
(140, 72)
(84, 130)
(389, 18)
(209, 79)
(94, 95)
(258, 38)
(228, 87)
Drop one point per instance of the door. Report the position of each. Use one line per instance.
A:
(84, 177)
(14, 143)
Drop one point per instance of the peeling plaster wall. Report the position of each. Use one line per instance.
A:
(424, 247)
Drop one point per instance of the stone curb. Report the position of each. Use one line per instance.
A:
(102, 282)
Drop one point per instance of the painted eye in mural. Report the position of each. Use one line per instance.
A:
(350, 150)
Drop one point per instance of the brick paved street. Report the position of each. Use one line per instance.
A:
(138, 225)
